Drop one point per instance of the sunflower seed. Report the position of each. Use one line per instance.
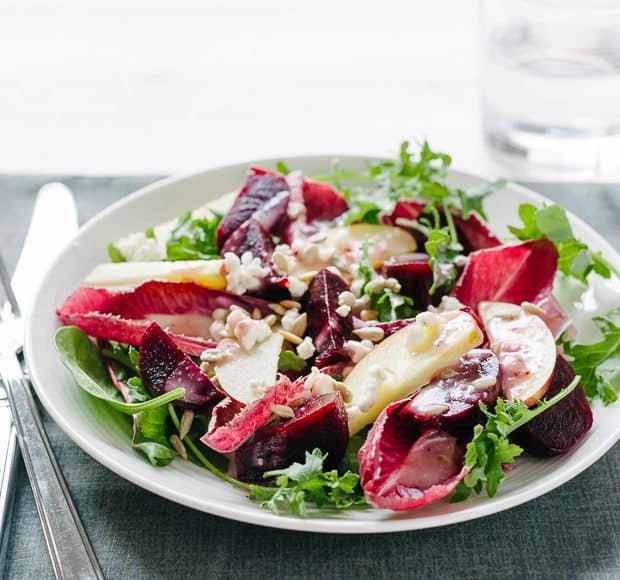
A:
(292, 338)
(300, 324)
(270, 319)
(256, 315)
(277, 309)
(367, 315)
(281, 262)
(372, 333)
(178, 446)
(289, 304)
(282, 411)
(186, 423)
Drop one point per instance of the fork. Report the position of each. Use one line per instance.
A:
(67, 542)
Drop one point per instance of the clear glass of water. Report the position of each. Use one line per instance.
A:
(551, 85)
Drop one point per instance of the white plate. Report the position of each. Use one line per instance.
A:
(101, 433)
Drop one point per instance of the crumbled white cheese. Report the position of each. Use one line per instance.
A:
(217, 330)
(294, 209)
(358, 349)
(379, 283)
(343, 310)
(243, 274)
(447, 304)
(289, 318)
(306, 349)
(250, 332)
(138, 248)
(318, 383)
(296, 287)
(346, 298)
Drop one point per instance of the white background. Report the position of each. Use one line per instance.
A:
(168, 86)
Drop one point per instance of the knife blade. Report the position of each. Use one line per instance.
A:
(53, 223)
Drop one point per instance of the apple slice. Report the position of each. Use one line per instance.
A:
(406, 361)
(525, 348)
(385, 241)
(239, 376)
(208, 273)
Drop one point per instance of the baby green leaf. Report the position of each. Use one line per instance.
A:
(289, 361)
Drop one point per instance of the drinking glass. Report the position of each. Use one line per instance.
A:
(551, 85)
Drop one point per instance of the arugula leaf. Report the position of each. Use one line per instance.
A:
(390, 306)
(83, 360)
(574, 257)
(490, 447)
(125, 355)
(589, 360)
(473, 201)
(115, 254)
(443, 247)
(290, 361)
(282, 168)
(151, 436)
(301, 483)
(194, 238)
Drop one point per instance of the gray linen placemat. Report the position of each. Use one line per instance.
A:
(572, 532)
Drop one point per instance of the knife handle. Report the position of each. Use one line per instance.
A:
(67, 541)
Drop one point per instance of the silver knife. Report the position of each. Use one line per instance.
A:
(53, 223)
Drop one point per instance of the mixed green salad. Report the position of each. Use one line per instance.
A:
(351, 340)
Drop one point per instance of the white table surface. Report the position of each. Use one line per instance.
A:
(170, 86)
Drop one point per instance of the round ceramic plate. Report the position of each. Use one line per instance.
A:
(103, 433)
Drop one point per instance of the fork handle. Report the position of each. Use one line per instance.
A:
(67, 541)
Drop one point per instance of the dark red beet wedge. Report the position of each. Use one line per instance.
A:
(264, 197)
(228, 430)
(322, 423)
(403, 467)
(164, 367)
(451, 401)
(254, 238)
(562, 426)
(110, 327)
(322, 201)
(328, 330)
(251, 237)
(415, 277)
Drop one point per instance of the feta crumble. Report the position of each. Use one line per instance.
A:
(243, 274)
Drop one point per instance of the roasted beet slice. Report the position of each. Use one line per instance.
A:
(251, 237)
(109, 327)
(403, 467)
(254, 238)
(264, 197)
(321, 422)
(228, 430)
(562, 426)
(451, 400)
(415, 276)
(164, 367)
(322, 201)
(328, 330)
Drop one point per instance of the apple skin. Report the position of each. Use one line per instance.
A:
(525, 348)
(409, 367)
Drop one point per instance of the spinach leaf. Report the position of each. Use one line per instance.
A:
(151, 436)
(289, 361)
(81, 356)
(194, 238)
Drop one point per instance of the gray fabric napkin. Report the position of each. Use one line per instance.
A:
(572, 532)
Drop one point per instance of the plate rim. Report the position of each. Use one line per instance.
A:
(265, 518)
